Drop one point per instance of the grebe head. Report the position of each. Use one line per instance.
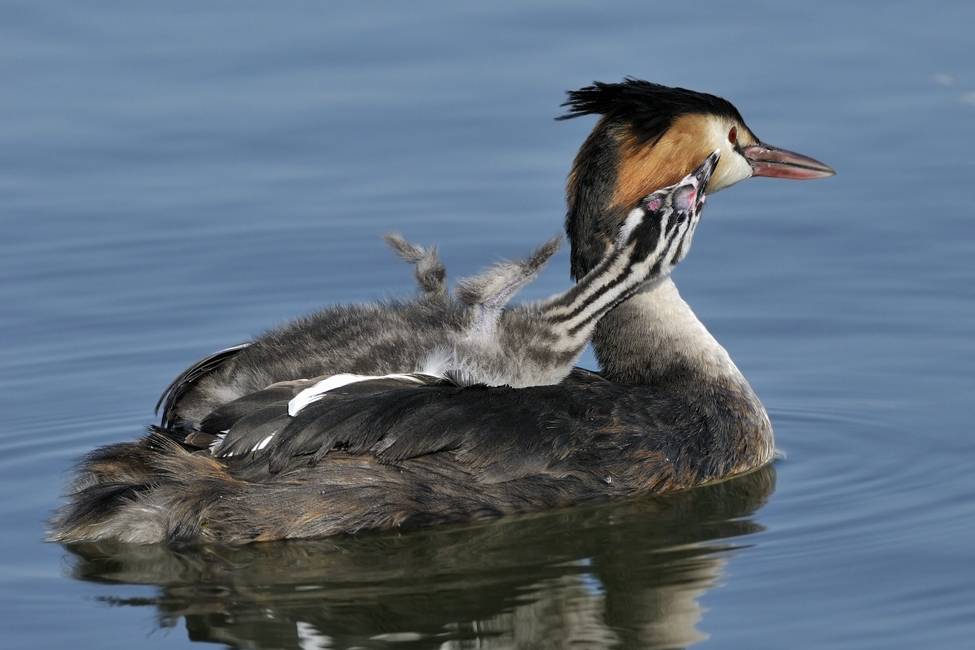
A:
(651, 136)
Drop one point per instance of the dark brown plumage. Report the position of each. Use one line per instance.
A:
(397, 458)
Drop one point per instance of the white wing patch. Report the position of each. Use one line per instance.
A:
(317, 391)
(309, 638)
(215, 445)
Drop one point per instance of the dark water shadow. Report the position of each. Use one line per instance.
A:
(622, 575)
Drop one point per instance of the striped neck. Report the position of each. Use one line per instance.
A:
(573, 315)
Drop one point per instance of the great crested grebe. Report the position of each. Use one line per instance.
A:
(669, 411)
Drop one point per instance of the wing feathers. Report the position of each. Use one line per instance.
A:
(186, 379)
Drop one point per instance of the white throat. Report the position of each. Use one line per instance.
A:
(654, 333)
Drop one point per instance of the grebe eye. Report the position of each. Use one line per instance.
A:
(733, 135)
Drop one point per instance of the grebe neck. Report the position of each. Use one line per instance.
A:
(655, 336)
(654, 342)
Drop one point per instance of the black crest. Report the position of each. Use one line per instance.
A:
(648, 107)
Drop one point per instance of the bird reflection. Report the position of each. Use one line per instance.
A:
(619, 575)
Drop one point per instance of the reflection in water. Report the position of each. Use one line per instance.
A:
(621, 575)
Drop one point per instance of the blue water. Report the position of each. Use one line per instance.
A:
(177, 177)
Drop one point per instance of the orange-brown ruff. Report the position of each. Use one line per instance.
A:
(669, 411)
(661, 162)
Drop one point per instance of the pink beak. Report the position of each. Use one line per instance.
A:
(767, 160)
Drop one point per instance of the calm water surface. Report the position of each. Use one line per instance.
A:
(176, 179)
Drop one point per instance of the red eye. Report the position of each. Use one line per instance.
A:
(733, 135)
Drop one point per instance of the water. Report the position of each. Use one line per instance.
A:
(177, 178)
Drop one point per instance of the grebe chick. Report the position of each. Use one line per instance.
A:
(538, 344)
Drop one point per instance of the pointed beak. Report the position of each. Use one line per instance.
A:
(767, 160)
(689, 192)
(704, 171)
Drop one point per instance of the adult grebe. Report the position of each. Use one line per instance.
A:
(670, 411)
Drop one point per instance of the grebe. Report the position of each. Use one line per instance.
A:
(669, 411)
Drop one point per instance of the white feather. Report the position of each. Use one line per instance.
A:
(317, 391)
